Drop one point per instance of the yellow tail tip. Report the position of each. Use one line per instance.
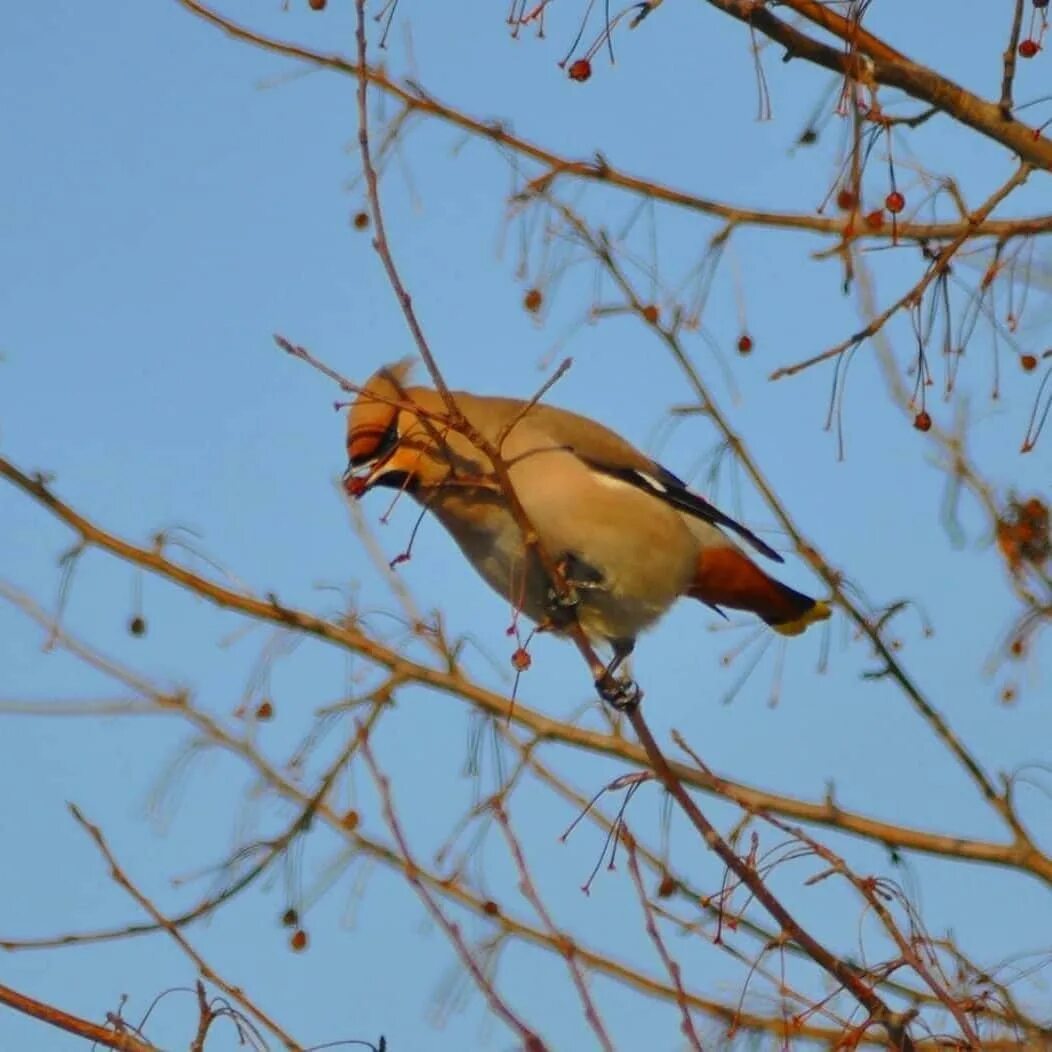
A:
(821, 611)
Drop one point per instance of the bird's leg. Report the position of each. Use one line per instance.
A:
(621, 693)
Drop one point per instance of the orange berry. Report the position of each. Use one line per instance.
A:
(298, 942)
(922, 421)
(532, 300)
(580, 70)
(317, 5)
(350, 820)
(361, 220)
(894, 202)
(650, 312)
(265, 710)
(521, 660)
(1028, 362)
(875, 219)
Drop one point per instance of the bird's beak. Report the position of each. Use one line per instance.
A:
(358, 479)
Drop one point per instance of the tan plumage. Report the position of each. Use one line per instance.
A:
(629, 535)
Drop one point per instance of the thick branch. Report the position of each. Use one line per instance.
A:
(122, 1041)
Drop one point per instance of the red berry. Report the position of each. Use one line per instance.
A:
(845, 199)
(317, 5)
(532, 300)
(875, 219)
(922, 421)
(521, 660)
(894, 202)
(651, 314)
(298, 942)
(354, 486)
(361, 220)
(744, 343)
(1028, 362)
(1028, 48)
(265, 711)
(580, 70)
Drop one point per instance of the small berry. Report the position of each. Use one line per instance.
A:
(317, 5)
(875, 219)
(1009, 694)
(744, 343)
(521, 660)
(350, 820)
(894, 202)
(298, 942)
(1028, 362)
(361, 220)
(1017, 647)
(1028, 48)
(137, 625)
(354, 486)
(922, 421)
(845, 199)
(490, 908)
(580, 70)
(668, 886)
(532, 300)
(650, 312)
(265, 710)
(290, 918)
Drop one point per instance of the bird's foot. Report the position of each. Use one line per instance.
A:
(621, 694)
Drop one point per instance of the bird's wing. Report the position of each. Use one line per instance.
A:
(607, 452)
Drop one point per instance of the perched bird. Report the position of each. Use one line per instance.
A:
(629, 537)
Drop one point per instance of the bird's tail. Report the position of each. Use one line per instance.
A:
(728, 577)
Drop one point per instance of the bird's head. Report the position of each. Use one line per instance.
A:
(379, 424)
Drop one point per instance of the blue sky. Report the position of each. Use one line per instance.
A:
(171, 199)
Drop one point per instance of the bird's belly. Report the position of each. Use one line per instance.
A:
(627, 596)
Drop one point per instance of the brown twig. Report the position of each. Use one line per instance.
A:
(529, 891)
(847, 976)
(671, 965)
(604, 173)
(937, 267)
(531, 1040)
(235, 993)
(1009, 59)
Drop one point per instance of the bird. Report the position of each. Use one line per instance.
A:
(628, 536)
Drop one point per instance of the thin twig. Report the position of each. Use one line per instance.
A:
(235, 993)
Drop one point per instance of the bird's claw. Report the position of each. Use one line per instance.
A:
(621, 694)
(568, 600)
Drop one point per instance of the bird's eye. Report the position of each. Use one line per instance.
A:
(388, 440)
